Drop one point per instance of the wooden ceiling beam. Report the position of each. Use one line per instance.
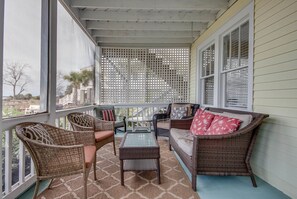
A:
(166, 26)
(141, 33)
(148, 16)
(152, 4)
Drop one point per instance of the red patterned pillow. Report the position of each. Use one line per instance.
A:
(223, 125)
(202, 120)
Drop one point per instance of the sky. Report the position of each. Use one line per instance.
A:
(22, 42)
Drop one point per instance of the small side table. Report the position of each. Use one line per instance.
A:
(139, 152)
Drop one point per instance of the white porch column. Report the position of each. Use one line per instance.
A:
(98, 73)
(44, 56)
(1, 80)
(52, 60)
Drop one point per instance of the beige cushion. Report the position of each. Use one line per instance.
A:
(182, 105)
(163, 124)
(184, 139)
(245, 118)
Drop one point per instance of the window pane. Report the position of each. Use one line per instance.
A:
(23, 59)
(234, 48)
(75, 63)
(212, 59)
(208, 91)
(226, 52)
(237, 88)
(244, 44)
(208, 61)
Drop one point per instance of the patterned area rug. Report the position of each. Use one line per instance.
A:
(138, 185)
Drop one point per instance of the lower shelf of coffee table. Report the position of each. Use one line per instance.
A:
(140, 165)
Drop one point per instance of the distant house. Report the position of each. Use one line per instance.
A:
(33, 109)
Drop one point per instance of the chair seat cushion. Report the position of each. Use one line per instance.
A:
(90, 152)
(102, 135)
(163, 124)
(184, 139)
(118, 123)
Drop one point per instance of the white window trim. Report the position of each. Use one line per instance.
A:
(200, 78)
(246, 14)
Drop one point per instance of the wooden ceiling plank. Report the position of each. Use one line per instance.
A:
(165, 26)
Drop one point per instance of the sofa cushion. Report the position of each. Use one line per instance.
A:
(179, 112)
(246, 119)
(188, 106)
(184, 139)
(223, 125)
(201, 122)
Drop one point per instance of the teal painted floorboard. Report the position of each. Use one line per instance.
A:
(233, 187)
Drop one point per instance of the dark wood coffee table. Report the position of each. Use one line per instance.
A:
(139, 151)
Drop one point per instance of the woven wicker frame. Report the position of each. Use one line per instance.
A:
(162, 116)
(65, 157)
(85, 122)
(220, 154)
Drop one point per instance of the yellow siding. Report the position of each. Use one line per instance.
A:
(236, 7)
(274, 89)
(275, 93)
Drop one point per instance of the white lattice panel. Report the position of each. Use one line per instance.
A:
(144, 75)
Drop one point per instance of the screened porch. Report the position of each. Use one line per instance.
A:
(64, 56)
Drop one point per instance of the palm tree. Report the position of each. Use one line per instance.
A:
(86, 76)
(75, 78)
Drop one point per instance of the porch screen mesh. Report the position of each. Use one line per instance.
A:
(146, 75)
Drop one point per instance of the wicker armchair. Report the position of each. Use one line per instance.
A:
(103, 130)
(217, 154)
(161, 121)
(57, 152)
(119, 121)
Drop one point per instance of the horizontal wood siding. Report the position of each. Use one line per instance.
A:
(275, 87)
(275, 92)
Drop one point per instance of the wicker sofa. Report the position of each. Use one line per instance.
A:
(216, 154)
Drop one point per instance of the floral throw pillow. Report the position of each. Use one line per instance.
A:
(179, 112)
(223, 125)
(202, 120)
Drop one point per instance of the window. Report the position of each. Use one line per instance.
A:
(226, 66)
(207, 75)
(75, 64)
(25, 59)
(235, 67)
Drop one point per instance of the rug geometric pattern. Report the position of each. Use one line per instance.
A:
(138, 185)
